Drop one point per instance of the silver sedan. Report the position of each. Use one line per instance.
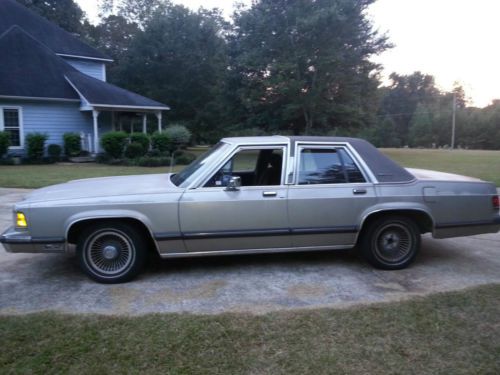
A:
(255, 195)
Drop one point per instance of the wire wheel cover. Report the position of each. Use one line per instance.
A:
(393, 243)
(110, 252)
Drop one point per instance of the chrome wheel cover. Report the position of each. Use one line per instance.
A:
(109, 252)
(393, 243)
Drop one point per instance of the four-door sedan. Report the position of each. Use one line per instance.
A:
(255, 195)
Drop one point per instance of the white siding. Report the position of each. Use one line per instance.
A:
(91, 68)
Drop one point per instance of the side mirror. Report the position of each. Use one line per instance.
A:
(234, 183)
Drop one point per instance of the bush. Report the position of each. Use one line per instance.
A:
(4, 143)
(72, 144)
(148, 161)
(179, 136)
(35, 145)
(54, 151)
(142, 139)
(114, 143)
(184, 158)
(160, 142)
(134, 150)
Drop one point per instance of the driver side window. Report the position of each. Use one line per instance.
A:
(255, 167)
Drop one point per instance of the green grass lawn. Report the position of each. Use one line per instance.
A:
(475, 163)
(35, 176)
(451, 333)
(481, 164)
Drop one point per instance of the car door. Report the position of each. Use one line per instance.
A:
(253, 216)
(328, 197)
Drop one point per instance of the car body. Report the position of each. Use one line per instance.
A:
(253, 195)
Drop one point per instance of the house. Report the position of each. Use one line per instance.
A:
(52, 82)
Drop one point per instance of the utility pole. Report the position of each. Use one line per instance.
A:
(453, 120)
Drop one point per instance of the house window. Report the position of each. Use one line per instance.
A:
(11, 123)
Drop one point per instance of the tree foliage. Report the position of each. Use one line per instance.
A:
(304, 66)
(65, 13)
(280, 66)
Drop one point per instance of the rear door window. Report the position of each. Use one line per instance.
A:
(327, 166)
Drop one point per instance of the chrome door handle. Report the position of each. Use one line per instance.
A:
(359, 191)
(269, 194)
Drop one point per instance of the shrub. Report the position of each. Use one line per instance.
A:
(54, 151)
(114, 143)
(35, 145)
(134, 150)
(148, 161)
(179, 135)
(184, 158)
(72, 144)
(142, 139)
(160, 142)
(4, 143)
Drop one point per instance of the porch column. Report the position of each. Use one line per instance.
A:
(158, 115)
(144, 123)
(95, 115)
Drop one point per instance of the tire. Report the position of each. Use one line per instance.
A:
(391, 243)
(111, 252)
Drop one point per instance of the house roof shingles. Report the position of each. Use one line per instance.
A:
(99, 93)
(58, 40)
(29, 69)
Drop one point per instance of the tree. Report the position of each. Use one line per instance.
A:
(180, 59)
(65, 13)
(304, 65)
(401, 98)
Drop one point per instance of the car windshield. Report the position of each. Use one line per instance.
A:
(184, 177)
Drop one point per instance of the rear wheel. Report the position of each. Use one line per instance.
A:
(391, 243)
(111, 252)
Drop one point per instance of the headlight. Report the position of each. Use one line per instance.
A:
(21, 220)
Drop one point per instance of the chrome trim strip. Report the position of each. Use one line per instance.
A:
(254, 251)
(255, 233)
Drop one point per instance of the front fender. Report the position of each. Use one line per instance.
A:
(106, 214)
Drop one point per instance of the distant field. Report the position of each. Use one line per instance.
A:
(475, 163)
(480, 164)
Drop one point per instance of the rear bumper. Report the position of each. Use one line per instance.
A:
(15, 241)
(461, 229)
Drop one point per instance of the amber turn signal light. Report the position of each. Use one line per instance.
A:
(21, 220)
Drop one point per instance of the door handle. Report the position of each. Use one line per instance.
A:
(359, 191)
(269, 194)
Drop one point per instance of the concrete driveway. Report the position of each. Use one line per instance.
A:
(255, 284)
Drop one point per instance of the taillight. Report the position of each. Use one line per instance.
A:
(496, 202)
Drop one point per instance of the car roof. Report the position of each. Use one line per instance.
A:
(385, 169)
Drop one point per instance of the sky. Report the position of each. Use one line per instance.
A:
(454, 40)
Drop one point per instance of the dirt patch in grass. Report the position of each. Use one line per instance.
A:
(450, 333)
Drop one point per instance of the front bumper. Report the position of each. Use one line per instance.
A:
(17, 241)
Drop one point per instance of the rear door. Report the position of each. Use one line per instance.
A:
(328, 197)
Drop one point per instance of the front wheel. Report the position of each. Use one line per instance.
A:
(111, 252)
(391, 243)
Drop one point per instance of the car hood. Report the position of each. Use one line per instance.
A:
(105, 187)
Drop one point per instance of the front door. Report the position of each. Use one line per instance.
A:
(251, 217)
